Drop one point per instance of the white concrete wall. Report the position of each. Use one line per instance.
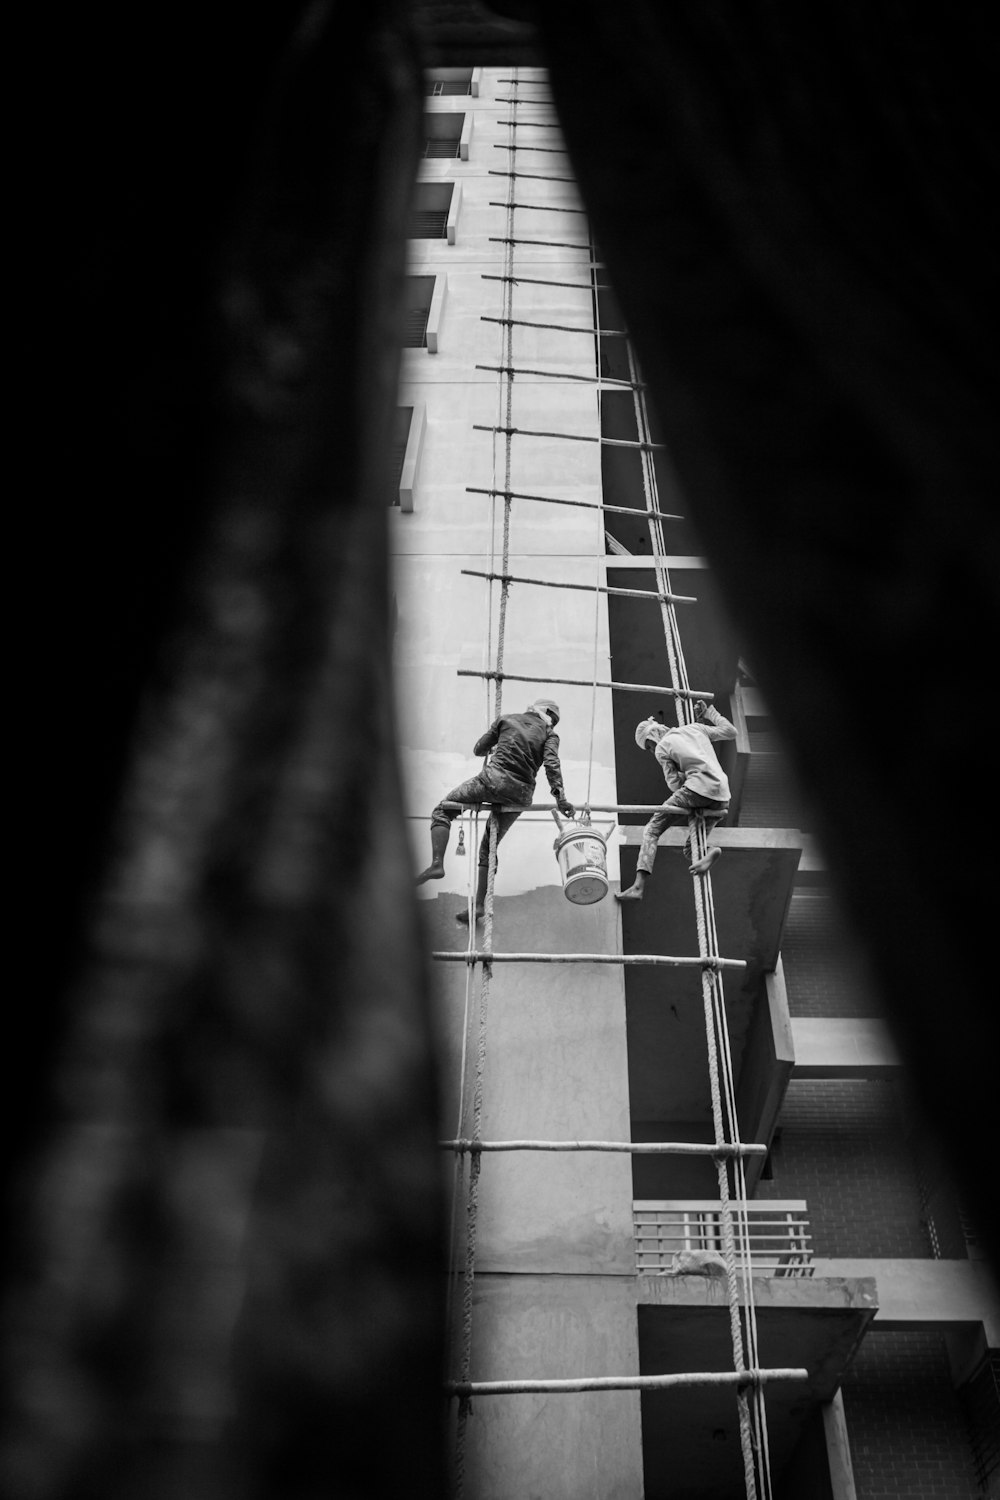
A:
(555, 1258)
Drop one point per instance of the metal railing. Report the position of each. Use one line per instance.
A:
(777, 1232)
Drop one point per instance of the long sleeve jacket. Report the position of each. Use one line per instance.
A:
(687, 758)
(521, 745)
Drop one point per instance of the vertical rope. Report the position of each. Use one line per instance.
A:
(593, 691)
(752, 1416)
(710, 981)
(475, 1156)
(459, 1165)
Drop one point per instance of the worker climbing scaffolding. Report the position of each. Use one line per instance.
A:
(697, 783)
(518, 745)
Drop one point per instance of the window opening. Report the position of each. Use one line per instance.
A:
(429, 212)
(419, 292)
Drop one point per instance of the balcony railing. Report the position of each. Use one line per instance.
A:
(777, 1232)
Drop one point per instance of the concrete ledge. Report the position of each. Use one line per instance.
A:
(827, 1289)
(926, 1294)
(813, 1323)
(436, 312)
(451, 226)
(843, 1049)
(411, 457)
(726, 838)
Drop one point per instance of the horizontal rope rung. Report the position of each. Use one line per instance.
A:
(591, 332)
(512, 370)
(633, 1148)
(621, 510)
(646, 808)
(535, 176)
(625, 687)
(590, 588)
(571, 286)
(542, 208)
(647, 960)
(549, 150)
(573, 437)
(620, 1382)
(501, 239)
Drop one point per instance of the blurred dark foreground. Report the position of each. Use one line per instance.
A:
(223, 1212)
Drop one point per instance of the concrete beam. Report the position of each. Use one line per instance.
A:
(767, 1066)
(838, 1449)
(926, 1294)
(843, 1048)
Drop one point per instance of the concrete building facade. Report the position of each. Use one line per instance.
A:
(532, 509)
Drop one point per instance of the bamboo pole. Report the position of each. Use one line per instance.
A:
(506, 239)
(591, 331)
(633, 1148)
(511, 370)
(572, 286)
(545, 208)
(477, 956)
(621, 510)
(537, 176)
(573, 437)
(625, 687)
(589, 588)
(620, 1382)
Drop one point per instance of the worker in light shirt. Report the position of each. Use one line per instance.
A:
(696, 780)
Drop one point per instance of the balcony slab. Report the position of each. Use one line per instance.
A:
(691, 1437)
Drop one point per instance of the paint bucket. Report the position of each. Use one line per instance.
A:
(582, 853)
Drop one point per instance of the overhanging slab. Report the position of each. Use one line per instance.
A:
(691, 1437)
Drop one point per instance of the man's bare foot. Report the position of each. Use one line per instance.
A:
(463, 915)
(703, 865)
(434, 871)
(634, 893)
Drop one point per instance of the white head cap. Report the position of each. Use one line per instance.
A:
(649, 729)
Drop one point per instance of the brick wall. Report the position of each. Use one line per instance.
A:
(768, 800)
(842, 1148)
(824, 972)
(907, 1431)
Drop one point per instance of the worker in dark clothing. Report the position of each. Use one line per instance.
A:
(697, 783)
(521, 745)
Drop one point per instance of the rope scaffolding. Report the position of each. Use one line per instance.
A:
(504, 399)
(747, 1378)
(751, 1412)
